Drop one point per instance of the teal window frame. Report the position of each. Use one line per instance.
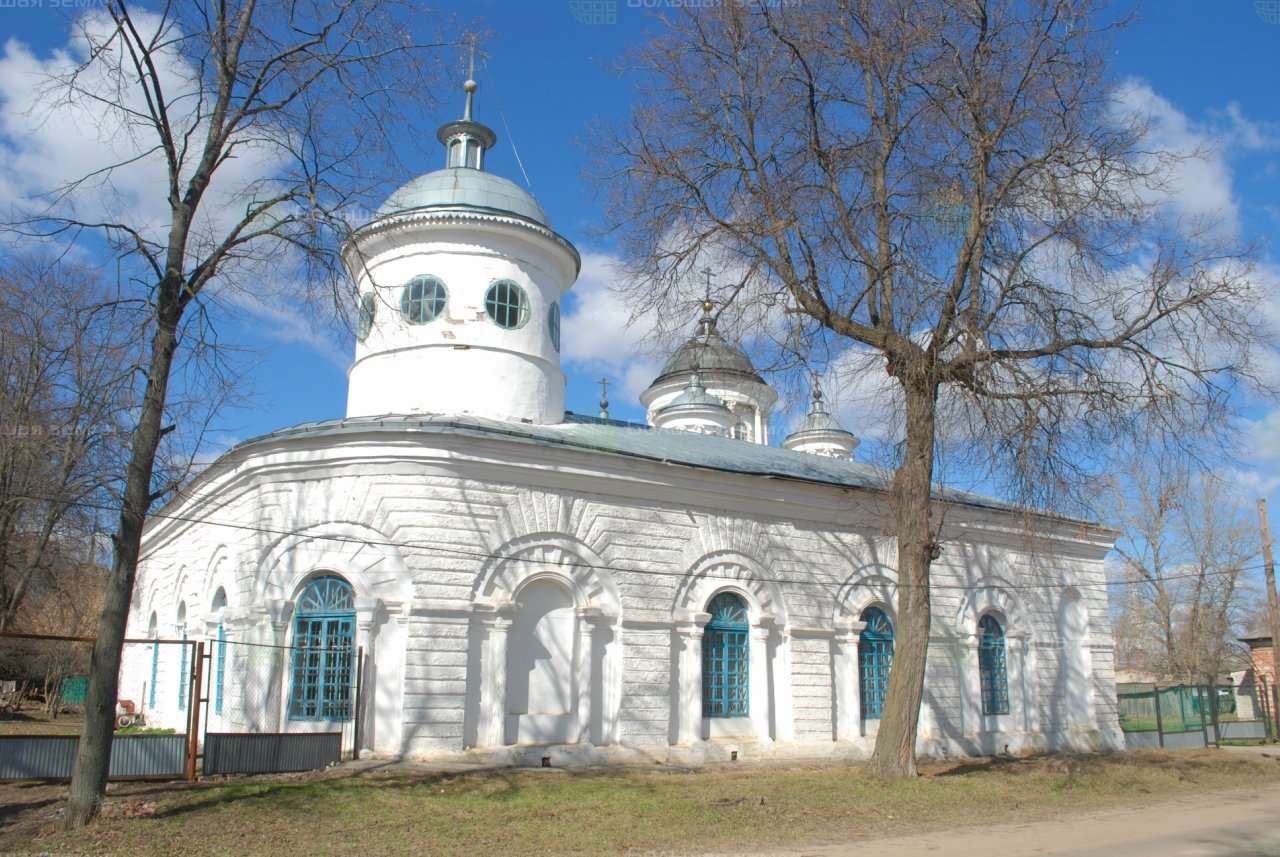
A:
(993, 668)
(323, 653)
(424, 299)
(875, 660)
(726, 658)
(221, 673)
(183, 663)
(155, 662)
(368, 311)
(507, 305)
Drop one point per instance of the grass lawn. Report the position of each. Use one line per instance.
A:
(534, 812)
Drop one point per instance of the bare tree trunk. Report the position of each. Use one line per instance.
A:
(93, 758)
(895, 754)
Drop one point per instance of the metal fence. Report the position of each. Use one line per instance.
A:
(42, 707)
(1186, 716)
(215, 706)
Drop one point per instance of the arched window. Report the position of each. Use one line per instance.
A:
(725, 664)
(507, 305)
(368, 309)
(875, 657)
(154, 633)
(323, 644)
(220, 668)
(992, 671)
(553, 324)
(423, 299)
(183, 678)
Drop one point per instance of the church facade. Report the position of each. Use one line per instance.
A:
(519, 578)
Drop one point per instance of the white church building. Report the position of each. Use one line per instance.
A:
(518, 577)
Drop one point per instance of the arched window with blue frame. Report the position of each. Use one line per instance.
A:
(875, 657)
(184, 663)
(220, 668)
(993, 672)
(725, 662)
(323, 651)
(153, 632)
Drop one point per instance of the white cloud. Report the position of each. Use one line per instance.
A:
(598, 331)
(1265, 434)
(1198, 184)
(78, 156)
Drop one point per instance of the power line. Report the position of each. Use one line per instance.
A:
(422, 547)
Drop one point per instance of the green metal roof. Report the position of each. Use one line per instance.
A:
(463, 187)
(639, 442)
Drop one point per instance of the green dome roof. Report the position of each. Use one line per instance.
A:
(463, 187)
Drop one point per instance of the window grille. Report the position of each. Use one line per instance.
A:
(155, 661)
(553, 325)
(507, 305)
(875, 658)
(323, 648)
(368, 308)
(182, 668)
(220, 679)
(993, 672)
(423, 300)
(725, 662)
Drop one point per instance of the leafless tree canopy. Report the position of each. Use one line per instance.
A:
(1187, 547)
(265, 129)
(950, 189)
(66, 359)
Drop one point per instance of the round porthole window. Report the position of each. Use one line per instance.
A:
(423, 300)
(507, 304)
(368, 306)
(553, 325)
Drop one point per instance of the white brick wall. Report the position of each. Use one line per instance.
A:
(440, 523)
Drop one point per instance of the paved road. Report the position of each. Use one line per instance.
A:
(1221, 824)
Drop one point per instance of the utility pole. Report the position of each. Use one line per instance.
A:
(1273, 608)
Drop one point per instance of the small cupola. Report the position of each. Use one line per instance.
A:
(466, 140)
(726, 373)
(696, 410)
(820, 434)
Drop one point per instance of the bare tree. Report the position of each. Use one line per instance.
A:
(65, 383)
(1187, 545)
(950, 189)
(266, 125)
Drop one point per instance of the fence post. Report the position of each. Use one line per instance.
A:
(193, 726)
(1204, 730)
(1159, 719)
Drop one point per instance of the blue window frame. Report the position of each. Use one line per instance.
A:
(993, 672)
(220, 677)
(507, 305)
(423, 300)
(875, 658)
(725, 662)
(183, 678)
(220, 670)
(323, 648)
(155, 661)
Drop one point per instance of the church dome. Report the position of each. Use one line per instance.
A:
(464, 187)
(709, 352)
(696, 410)
(819, 433)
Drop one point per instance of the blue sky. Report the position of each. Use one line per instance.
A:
(1207, 73)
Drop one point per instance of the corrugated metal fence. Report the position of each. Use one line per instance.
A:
(51, 757)
(246, 753)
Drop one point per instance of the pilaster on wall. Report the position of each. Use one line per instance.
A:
(689, 677)
(845, 679)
